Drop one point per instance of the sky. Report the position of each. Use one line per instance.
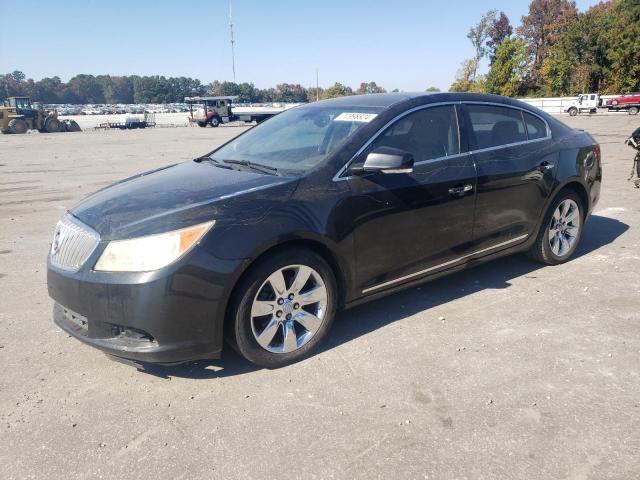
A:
(404, 44)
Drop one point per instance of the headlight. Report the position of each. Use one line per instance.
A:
(144, 254)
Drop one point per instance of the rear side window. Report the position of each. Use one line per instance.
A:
(536, 128)
(427, 134)
(495, 126)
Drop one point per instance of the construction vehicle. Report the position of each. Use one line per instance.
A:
(17, 115)
(217, 110)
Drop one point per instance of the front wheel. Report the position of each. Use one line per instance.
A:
(284, 309)
(561, 230)
(215, 122)
(573, 111)
(633, 111)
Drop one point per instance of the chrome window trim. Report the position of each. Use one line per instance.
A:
(445, 264)
(338, 176)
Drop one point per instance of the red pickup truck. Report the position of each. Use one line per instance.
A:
(630, 102)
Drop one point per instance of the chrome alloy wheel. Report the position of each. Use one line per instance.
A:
(564, 228)
(288, 309)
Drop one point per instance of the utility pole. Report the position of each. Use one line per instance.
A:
(233, 53)
(317, 86)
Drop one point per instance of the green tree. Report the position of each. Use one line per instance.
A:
(432, 89)
(624, 53)
(337, 90)
(509, 68)
(577, 62)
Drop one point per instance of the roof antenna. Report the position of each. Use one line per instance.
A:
(233, 55)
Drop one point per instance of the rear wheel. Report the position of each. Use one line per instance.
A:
(18, 126)
(573, 111)
(561, 230)
(285, 308)
(633, 111)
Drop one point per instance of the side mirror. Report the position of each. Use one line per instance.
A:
(387, 160)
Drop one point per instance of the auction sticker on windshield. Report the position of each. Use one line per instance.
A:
(355, 117)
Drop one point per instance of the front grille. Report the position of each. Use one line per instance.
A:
(73, 242)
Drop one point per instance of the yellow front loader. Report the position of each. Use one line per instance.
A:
(17, 115)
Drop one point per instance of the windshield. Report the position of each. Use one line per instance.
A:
(299, 139)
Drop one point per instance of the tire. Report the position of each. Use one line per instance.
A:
(573, 111)
(72, 126)
(215, 121)
(633, 110)
(17, 126)
(614, 103)
(555, 249)
(52, 125)
(273, 329)
(202, 124)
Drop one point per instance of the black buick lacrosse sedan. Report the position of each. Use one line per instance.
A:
(319, 208)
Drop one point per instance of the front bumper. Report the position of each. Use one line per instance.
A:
(164, 318)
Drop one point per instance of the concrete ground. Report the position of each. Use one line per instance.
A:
(509, 370)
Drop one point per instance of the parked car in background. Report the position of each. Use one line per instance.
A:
(629, 102)
(321, 207)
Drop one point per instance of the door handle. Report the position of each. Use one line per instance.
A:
(545, 166)
(460, 191)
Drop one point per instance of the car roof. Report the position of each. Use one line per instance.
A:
(387, 100)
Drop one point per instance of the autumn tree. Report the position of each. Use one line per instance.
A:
(542, 27)
(370, 87)
(465, 76)
(499, 30)
(478, 35)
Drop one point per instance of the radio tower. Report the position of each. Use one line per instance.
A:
(233, 53)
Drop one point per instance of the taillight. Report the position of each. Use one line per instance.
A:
(596, 149)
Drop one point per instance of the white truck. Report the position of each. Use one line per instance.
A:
(586, 102)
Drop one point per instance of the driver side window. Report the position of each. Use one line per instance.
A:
(427, 134)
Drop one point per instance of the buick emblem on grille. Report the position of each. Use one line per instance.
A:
(57, 241)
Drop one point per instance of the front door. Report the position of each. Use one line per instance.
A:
(407, 225)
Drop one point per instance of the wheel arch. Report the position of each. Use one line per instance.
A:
(315, 245)
(579, 188)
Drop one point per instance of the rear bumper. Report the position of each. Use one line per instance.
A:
(166, 319)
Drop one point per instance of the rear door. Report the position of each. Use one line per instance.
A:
(407, 225)
(515, 160)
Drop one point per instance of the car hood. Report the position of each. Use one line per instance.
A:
(175, 197)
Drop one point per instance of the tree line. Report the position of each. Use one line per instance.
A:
(108, 89)
(556, 51)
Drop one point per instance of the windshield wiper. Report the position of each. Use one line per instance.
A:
(256, 166)
(207, 158)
